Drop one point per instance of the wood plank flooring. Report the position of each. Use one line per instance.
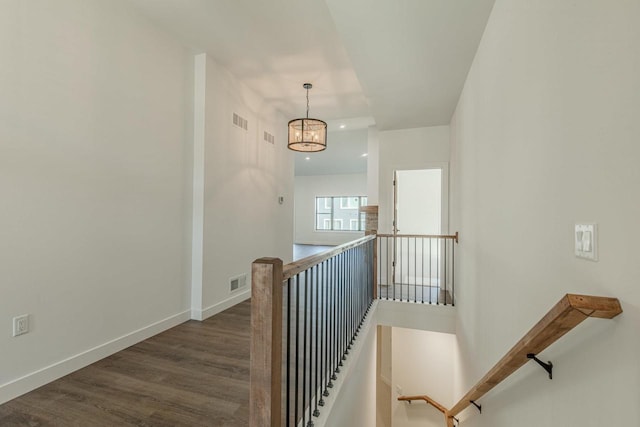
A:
(196, 374)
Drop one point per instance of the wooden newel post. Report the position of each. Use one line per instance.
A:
(266, 343)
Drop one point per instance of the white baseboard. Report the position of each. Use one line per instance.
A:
(197, 314)
(43, 376)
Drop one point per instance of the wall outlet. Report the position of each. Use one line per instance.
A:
(20, 325)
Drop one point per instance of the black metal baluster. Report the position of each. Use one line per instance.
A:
(327, 370)
(369, 270)
(343, 306)
(340, 309)
(422, 265)
(288, 403)
(354, 294)
(359, 286)
(349, 310)
(309, 289)
(346, 304)
(304, 349)
(401, 262)
(316, 412)
(297, 389)
(393, 270)
(376, 264)
(335, 337)
(444, 270)
(415, 269)
(438, 270)
(430, 278)
(453, 273)
(408, 270)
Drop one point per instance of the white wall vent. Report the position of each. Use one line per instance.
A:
(238, 282)
(269, 138)
(240, 121)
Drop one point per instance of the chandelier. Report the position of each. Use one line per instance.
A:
(307, 135)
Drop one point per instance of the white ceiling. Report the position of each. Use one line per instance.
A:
(393, 63)
(343, 156)
(402, 62)
(411, 56)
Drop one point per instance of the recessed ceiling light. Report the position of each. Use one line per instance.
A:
(364, 155)
(343, 126)
(307, 158)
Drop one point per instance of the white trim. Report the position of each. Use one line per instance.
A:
(43, 376)
(197, 230)
(221, 306)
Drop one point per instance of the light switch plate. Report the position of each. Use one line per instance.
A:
(586, 241)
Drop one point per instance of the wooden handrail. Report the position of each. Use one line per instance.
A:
(427, 399)
(570, 311)
(448, 418)
(299, 266)
(425, 236)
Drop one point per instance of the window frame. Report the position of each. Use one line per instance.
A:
(329, 204)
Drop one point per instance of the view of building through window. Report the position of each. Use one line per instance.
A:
(340, 213)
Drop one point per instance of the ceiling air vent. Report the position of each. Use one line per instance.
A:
(269, 138)
(240, 121)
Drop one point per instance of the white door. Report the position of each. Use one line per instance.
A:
(419, 209)
(418, 201)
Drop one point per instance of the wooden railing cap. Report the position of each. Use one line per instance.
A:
(299, 266)
(268, 260)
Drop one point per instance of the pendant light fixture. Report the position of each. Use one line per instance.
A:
(307, 134)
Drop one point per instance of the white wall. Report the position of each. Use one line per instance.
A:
(373, 165)
(353, 399)
(243, 178)
(546, 135)
(417, 148)
(307, 188)
(422, 363)
(92, 178)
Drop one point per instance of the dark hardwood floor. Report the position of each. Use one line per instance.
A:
(196, 374)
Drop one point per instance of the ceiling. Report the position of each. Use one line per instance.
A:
(395, 64)
(345, 154)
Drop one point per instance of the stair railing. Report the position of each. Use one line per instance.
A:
(305, 317)
(568, 313)
(417, 268)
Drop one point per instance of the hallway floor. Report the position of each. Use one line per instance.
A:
(303, 251)
(196, 374)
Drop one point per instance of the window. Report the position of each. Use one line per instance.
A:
(340, 213)
(349, 202)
